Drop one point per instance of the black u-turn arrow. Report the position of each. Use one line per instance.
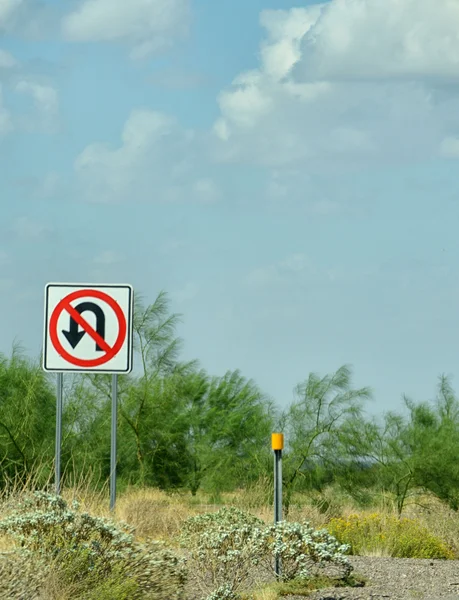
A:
(74, 336)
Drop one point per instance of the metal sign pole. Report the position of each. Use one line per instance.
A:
(277, 442)
(113, 441)
(278, 486)
(60, 386)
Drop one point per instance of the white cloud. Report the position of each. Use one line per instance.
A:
(42, 112)
(45, 96)
(33, 19)
(450, 147)
(49, 184)
(8, 10)
(248, 102)
(381, 38)
(345, 84)
(206, 190)
(46, 103)
(145, 25)
(7, 61)
(6, 122)
(285, 31)
(156, 161)
(44, 186)
(295, 263)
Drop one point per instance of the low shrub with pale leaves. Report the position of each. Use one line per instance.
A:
(223, 550)
(92, 549)
(229, 546)
(304, 551)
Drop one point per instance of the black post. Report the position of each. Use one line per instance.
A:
(277, 442)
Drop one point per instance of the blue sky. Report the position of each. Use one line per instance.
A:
(287, 172)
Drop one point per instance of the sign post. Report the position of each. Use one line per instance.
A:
(277, 444)
(57, 465)
(88, 329)
(113, 441)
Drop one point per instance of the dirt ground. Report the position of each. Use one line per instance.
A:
(398, 579)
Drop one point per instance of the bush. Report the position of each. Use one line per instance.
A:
(22, 575)
(303, 551)
(402, 538)
(63, 584)
(89, 551)
(224, 592)
(230, 547)
(223, 547)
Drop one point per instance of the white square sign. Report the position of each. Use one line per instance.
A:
(88, 328)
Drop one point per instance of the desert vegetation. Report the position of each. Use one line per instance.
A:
(194, 517)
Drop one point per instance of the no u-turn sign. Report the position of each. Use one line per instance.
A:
(88, 328)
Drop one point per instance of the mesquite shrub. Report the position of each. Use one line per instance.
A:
(229, 548)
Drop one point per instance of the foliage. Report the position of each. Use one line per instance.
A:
(313, 424)
(403, 538)
(224, 592)
(228, 546)
(27, 407)
(383, 451)
(434, 434)
(224, 549)
(22, 575)
(405, 454)
(92, 549)
(224, 518)
(229, 426)
(304, 551)
(74, 577)
(179, 427)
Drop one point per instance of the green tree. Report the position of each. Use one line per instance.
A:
(150, 407)
(407, 454)
(27, 419)
(178, 426)
(385, 447)
(86, 430)
(434, 432)
(314, 421)
(147, 410)
(229, 422)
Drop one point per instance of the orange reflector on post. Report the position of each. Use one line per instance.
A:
(277, 441)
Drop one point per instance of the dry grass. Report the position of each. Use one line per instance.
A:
(158, 515)
(54, 588)
(6, 545)
(437, 517)
(265, 594)
(153, 513)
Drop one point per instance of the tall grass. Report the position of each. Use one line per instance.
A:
(158, 515)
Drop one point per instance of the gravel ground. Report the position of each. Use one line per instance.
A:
(398, 579)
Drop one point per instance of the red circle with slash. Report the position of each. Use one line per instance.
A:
(110, 351)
